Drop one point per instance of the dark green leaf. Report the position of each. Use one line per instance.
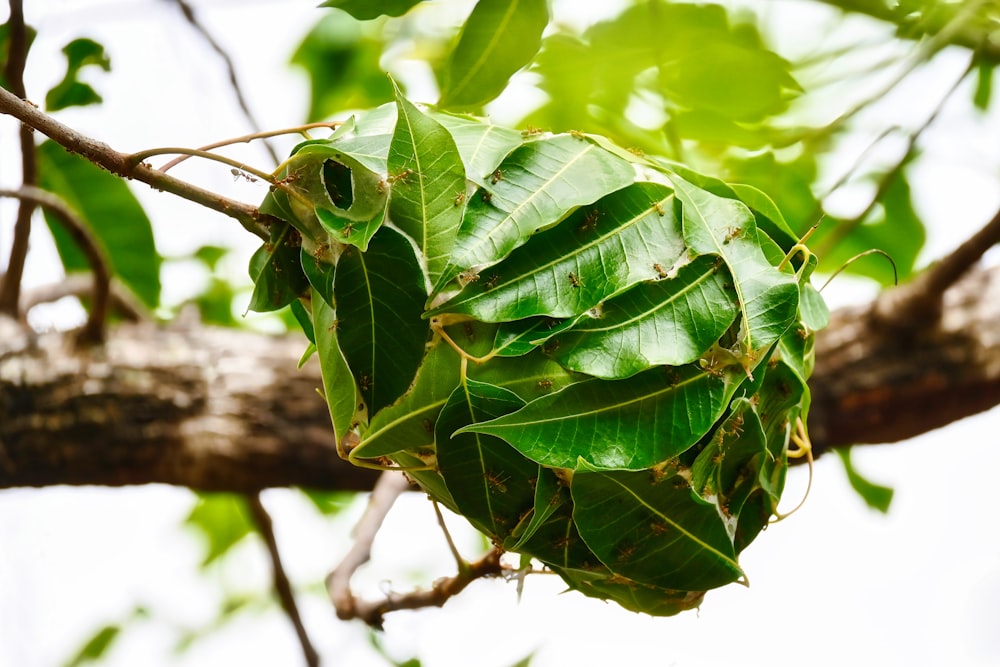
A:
(668, 322)
(380, 296)
(876, 496)
(656, 531)
(304, 318)
(276, 270)
(499, 38)
(5, 48)
(428, 176)
(369, 9)
(627, 237)
(70, 91)
(492, 484)
(631, 424)
(112, 214)
(533, 188)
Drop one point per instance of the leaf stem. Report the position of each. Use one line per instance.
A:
(140, 156)
(462, 353)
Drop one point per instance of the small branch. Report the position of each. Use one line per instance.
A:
(139, 157)
(247, 138)
(281, 583)
(17, 55)
(118, 163)
(390, 485)
(120, 299)
(192, 19)
(93, 330)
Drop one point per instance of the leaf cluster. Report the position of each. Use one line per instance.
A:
(598, 358)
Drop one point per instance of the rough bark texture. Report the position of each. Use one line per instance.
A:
(227, 410)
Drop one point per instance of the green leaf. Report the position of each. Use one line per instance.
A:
(111, 212)
(341, 58)
(668, 322)
(304, 318)
(499, 38)
(276, 271)
(875, 495)
(767, 298)
(339, 388)
(522, 336)
(625, 238)
(97, 646)
(70, 91)
(369, 9)
(481, 144)
(984, 85)
(428, 177)
(657, 532)
(5, 48)
(380, 296)
(492, 484)
(223, 519)
(533, 188)
(631, 424)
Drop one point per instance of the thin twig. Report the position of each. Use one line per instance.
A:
(120, 299)
(390, 485)
(387, 489)
(17, 55)
(188, 12)
(840, 231)
(247, 138)
(141, 156)
(118, 163)
(281, 583)
(93, 330)
(459, 561)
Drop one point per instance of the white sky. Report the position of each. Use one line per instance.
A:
(835, 584)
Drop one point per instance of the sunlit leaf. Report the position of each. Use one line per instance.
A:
(71, 91)
(629, 424)
(428, 176)
(876, 496)
(223, 519)
(499, 38)
(370, 9)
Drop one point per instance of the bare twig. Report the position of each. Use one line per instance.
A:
(17, 55)
(839, 232)
(93, 330)
(120, 299)
(189, 15)
(118, 163)
(281, 583)
(388, 487)
(247, 138)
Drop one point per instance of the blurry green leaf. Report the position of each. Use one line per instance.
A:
(5, 49)
(277, 271)
(369, 9)
(329, 503)
(223, 519)
(984, 85)
(210, 255)
(380, 299)
(499, 38)
(533, 188)
(341, 58)
(70, 91)
(875, 495)
(95, 647)
(661, 534)
(113, 215)
(215, 303)
(428, 177)
(629, 424)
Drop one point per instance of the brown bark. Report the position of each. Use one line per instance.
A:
(228, 410)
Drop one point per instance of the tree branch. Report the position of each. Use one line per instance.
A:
(225, 410)
(119, 164)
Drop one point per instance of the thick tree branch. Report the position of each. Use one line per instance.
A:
(227, 410)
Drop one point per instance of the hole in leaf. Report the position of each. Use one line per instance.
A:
(337, 178)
